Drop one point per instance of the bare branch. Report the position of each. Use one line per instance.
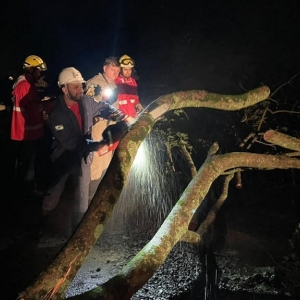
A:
(288, 82)
(206, 227)
(282, 140)
(283, 111)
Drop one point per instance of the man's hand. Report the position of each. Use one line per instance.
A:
(115, 132)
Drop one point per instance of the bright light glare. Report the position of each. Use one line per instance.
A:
(140, 158)
(108, 92)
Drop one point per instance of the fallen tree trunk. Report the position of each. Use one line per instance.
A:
(138, 271)
(53, 283)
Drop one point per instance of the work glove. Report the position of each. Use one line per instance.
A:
(91, 146)
(115, 132)
(112, 135)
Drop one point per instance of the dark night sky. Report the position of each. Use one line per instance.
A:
(220, 46)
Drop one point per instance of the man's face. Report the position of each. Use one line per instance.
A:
(35, 72)
(111, 72)
(74, 91)
(126, 72)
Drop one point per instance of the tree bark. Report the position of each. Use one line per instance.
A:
(210, 100)
(282, 140)
(54, 281)
(206, 226)
(189, 160)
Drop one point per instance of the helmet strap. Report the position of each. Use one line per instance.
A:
(66, 92)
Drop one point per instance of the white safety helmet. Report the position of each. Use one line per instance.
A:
(70, 75)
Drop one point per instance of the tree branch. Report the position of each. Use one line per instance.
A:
(210, 100)
(282, 140)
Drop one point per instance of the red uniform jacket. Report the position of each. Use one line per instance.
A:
(27, 117)
(127, 95)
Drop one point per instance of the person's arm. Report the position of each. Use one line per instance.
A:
(95, 88)
(139, 107)
(109, 112)
(23, 91)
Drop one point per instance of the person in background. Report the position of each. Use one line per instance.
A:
(27, 125)
(70, 121)
(128, 98)
(102, 87)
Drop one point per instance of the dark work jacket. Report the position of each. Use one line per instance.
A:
(69, 141)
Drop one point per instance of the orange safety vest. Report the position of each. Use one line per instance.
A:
(27, 116)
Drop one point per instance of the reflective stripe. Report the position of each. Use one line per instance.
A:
(132, 100)
(34, 127)
(123, 102)
(17, 109)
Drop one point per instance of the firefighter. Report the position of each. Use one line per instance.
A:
(128, 98)
(70, 120)
(27, 125)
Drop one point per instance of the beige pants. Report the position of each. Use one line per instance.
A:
(100, 163)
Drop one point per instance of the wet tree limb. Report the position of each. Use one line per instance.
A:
(189, 160)
(282, 140)
(210, 100)
(205, 228)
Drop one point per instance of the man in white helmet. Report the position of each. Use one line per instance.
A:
(70, 120)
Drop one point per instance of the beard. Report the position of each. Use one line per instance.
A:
(75, 97)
